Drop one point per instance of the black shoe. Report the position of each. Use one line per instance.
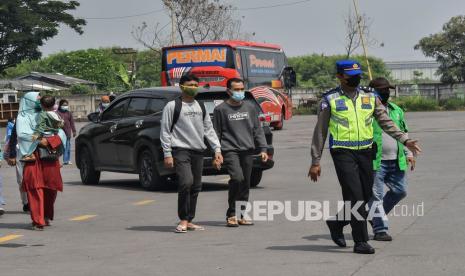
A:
(383, 236)
(26, 208)
(363, 248)
(336, 233)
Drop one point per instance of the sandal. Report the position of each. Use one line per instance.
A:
(245, 222)
(232, 222)
(194, 227)
(36, 227)
(180, 229)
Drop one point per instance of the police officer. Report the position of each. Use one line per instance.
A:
(348, 112)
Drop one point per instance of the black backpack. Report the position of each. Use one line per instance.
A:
(177, 111)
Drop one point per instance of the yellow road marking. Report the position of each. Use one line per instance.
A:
(9, 238)
(143, 202)
(81, 218)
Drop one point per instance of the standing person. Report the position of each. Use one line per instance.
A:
(239, 130)
(104, 103)
(348, 112)
(13, 160)
(49, 124)
(184, 127)
(41, 179)
(9, 129)
(391, 162)
(69, 128)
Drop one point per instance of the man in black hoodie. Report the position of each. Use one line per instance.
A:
(238, 129)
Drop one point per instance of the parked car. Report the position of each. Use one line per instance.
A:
(126, 137)
(277, 104)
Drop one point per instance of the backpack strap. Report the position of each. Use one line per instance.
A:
(177, 112)
(204, 111)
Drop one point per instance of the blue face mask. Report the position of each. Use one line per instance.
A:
(238, 95)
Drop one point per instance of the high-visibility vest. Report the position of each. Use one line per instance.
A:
(397, 116)
(351, 125)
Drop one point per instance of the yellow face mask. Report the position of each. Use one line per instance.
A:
(190, 90)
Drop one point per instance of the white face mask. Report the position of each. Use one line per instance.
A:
(105, 104)
(64, 107)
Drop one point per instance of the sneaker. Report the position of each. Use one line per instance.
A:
(67, 163)
(232, 222)
(2, 211)
(26, 208)
(336, 233)
(382, 236)
(363, 248)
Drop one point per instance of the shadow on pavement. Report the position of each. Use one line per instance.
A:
(15, 225)
(165, 228)
(311, 247)
(323, 237)
(133, 185)
(153, 228)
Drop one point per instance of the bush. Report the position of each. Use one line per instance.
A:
(305, 110)
(416, 104)
(80, 89)
(453, 104)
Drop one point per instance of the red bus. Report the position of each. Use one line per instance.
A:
(262, 66)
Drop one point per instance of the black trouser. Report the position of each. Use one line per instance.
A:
(354, 169)
(189, 166)
(239, 167)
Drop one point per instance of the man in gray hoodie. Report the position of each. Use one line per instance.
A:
(184, 127)
(239, 130)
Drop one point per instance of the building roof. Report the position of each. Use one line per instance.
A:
(26, 85)
(57, 78)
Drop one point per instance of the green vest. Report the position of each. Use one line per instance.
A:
(397, 115)
(351, 125)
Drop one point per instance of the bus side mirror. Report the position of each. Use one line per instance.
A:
(289, 77)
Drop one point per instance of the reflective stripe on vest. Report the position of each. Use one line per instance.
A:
(350, 124)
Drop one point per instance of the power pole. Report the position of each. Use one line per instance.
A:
(362, 39)
(173, 25)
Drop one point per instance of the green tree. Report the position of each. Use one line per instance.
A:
(319, 71)
(26, 24)
(448, 48)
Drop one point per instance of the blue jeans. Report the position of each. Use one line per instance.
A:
(67, 151)
(389, 174)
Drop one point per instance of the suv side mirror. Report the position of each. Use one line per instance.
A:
(289, 77)
(94, 117)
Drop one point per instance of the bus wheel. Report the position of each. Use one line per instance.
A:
(280, 125)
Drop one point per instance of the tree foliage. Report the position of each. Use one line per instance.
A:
(448, 48)
(319, 71)
(102, 66)
(26, 24)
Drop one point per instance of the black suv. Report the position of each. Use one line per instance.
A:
(126, 137)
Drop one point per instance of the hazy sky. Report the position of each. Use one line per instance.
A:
(312, 27)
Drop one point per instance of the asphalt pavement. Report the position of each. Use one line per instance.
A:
(117, 228)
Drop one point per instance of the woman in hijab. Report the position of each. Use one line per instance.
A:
(41, 179)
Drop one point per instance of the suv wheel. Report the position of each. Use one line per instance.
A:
(148, 173)
(87, 169)
(256, 178)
